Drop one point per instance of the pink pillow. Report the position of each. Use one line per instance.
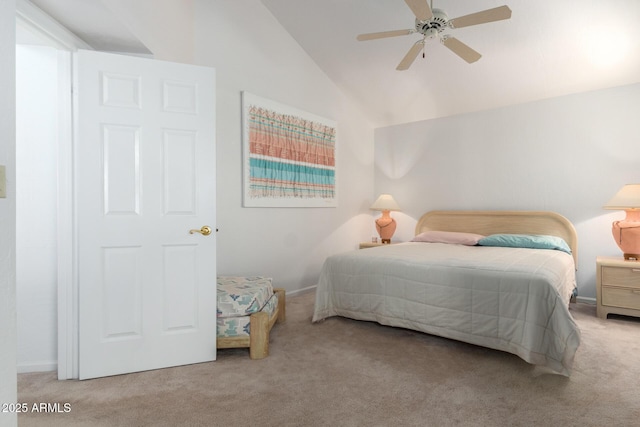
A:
(454, 237)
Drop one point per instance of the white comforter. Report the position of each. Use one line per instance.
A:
(509, 299)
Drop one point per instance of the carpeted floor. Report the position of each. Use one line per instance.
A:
(348, 373)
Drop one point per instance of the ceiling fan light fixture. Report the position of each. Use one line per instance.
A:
(431, 22)
(438, 22)
(431, 33)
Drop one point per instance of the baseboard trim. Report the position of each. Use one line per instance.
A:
(586, 300)
(25, 368)
(301, 291)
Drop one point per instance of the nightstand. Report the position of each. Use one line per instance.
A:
(617, 286)
(372, 245)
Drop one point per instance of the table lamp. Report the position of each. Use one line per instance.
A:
(385, 225)
(626, 233)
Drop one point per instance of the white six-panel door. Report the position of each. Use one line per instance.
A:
(144, 165)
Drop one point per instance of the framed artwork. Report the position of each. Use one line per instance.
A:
(289, 156)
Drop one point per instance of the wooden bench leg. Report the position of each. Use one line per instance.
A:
(282, 304)
(259, 335)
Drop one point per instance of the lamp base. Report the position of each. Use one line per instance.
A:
(627, 234)
(632, 257)
(385, 241)
(386, 226)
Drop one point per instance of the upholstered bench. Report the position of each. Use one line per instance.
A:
(247, 309)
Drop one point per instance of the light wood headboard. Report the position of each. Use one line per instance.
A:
(492, 222)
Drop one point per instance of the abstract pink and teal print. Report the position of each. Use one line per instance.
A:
(289, 156)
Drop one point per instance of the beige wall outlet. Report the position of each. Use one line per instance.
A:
(3, 182)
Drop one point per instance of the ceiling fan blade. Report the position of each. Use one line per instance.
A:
(461, 49)
(410, 56)
(384, 34)
(420, 8)
(489, 15)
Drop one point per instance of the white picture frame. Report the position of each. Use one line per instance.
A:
(281, 169)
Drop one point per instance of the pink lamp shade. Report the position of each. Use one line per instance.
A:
(385, 225)
(626, 233)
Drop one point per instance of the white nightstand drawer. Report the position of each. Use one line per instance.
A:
(618, 276)
(621, 297)
(617, 287)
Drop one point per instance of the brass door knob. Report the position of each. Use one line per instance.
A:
(205, 230)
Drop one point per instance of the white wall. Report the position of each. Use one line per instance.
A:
(252, 52)
(568, 154)
(8, 391)
(36, 206)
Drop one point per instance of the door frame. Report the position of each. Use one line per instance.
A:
(36, 21)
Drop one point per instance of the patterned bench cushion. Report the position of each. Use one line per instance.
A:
(228, 327)
(241, 296)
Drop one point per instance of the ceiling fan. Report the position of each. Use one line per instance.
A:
(432, 22)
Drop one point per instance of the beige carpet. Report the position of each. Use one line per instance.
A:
(347, 373)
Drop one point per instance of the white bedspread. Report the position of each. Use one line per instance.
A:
(509, 299)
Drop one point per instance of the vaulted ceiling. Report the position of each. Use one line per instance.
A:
(548, 48)
(94, 23)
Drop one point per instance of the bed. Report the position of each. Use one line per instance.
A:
(513, 299)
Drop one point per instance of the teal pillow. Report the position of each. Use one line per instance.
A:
(531, 241)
